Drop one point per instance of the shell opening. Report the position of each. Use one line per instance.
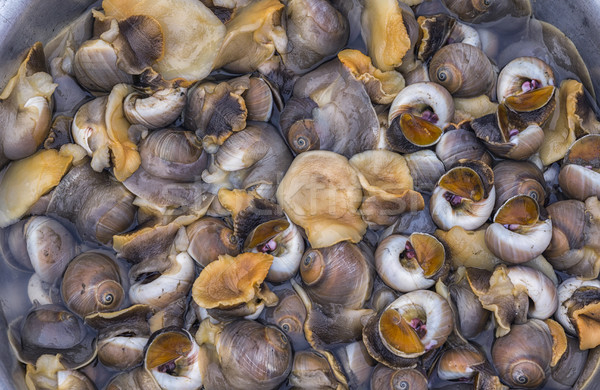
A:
(147, 277)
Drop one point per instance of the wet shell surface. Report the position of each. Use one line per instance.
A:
(306, 194)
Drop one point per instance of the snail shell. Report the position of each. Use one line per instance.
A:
(418, 116)
(99, 207)
(311, 370)
(471, 316)
(425, 169)
(260, 98)
(253, 356)
(315, 30)
(454, 66)
(122, 335)
(468, 10)
(41, 244)
(574, 246)
(175, 360)
(340, 274)
(160, 281)
(574, 294)
(138, 378)
(409, 263)
(458, 144)
(518, 234)
(210, 237)
(518, 177)
(459, 363)
(51, 329)
(402, 324)
(523, 356)
(156, 111)
(464, 196)
(173, 154)
(289, 315)
(92, 283)
(95, 66)
(519, 71)
(286, 247)
(386, 378)
(579, 176)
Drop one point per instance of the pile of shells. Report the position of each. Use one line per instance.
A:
(306, 194)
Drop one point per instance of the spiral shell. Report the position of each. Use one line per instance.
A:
(385, 378)
(418, 116)
(210, 237)
(253, 356)
(458, 144)
(175, 360)
(518, 234)
(95, 66)
(92, 283)
(513, 178)
(454, 66)
(523, 356)
(340, 274)
(574, 247)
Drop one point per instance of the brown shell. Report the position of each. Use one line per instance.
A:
(523, 356)
(579, 177)
(458, 144)
(453, 67)
(210, 237)
(51, 329)
(173, 154)
(252, 355)
(568, 224)
(92, 283)
(340, 274)
(514, 178)
(385, 378)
